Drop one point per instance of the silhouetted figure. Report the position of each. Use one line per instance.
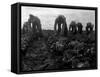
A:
(89, 27)
(36, 24)
(61, 21)
(79, 27)
(26, 28)
(72, 27)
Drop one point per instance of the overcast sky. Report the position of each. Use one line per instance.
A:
(48, 15)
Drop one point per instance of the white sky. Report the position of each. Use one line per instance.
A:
(48, 15)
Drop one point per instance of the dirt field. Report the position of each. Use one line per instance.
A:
(56, 52)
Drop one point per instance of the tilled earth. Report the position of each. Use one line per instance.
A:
(58, 52)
